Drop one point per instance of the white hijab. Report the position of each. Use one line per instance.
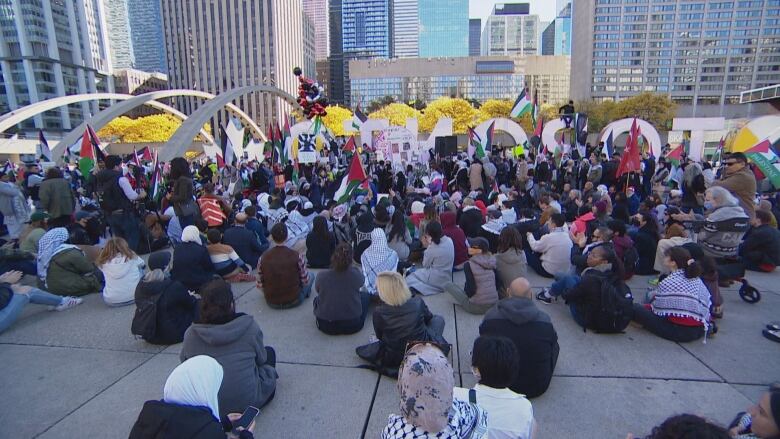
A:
(191, 234)
(195, 382)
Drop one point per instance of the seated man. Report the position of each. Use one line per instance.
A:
(244, 241)
(532, 332)
(551, 254)
(282, 273)
(761, 249)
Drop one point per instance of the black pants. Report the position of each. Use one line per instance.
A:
(663, 328)
(60, 221)
(535, 261)
(344, 327)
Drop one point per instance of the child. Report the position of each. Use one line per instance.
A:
(122, 269)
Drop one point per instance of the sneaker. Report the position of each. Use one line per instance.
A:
(544, 297)
(68, 302)
(772, 335)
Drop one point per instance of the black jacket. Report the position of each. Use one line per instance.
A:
(762, 245)
(533, 334)
(646, 242)
(586, 295)
(397, 325)
(77, 235)
(245, 243)
(319, 251)
(471, 223)
(176, 309)
(192, 265)
(163, 420)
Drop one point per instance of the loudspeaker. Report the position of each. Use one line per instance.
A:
(451, 145)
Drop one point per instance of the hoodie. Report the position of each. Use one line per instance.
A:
(457, 236)
(122, 276)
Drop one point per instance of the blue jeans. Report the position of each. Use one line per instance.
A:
(10, 313)
(563, 283)
(577, 317)
(125, 225)
(304, 294)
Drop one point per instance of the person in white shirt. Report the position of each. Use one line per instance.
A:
(122, 269)
(494, 362)
(555, 249)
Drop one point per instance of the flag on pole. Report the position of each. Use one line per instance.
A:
(522, 104)
(287, 142)
(157, 179)
(45, 152)
(719, 151)
(350, 145)
(279, 145)
(268, 148)
(489, 137)
(608, 146)
(675, 156)
(535, 109)
(86, 155)
(355, 179)
(475, 145)
(761, 147)
(226, 147)
(93, 137)
(136, 160)
(358, 118)
(630, 160)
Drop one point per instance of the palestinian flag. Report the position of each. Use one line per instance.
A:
(475, 145)
(45, 152)
(675, 156)
(279, 146)
(489, 137)
(157, 182)
(358, 118)
(719, 151)
(762, 147)
(522, 105)
(268, 148)
(608, 146)
(354, 180)
(350, 145)
(88, 153)
(535, 109)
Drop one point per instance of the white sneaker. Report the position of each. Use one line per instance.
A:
(68, 302)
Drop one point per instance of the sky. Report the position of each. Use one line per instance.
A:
(545, 9)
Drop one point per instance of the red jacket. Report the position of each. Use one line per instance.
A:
(455, 233)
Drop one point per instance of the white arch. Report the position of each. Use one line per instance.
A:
(548, 134)
(506, 125)
(621, 126)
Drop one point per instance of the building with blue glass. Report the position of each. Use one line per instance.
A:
(444, 28)
(366, 27)
(146, 28)
(556, 38)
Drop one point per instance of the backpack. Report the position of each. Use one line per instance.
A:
(630, 259)
(110, 195)
(145, 318)
(616, 309)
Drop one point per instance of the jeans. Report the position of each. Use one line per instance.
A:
(663, 328)
(563, 283)
(344, 327)
(463, 300)
(535, 262)
(9, 314)
(303, 295)
(125, 225)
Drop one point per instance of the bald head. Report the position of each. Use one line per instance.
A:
(241, 218)
(520, 287)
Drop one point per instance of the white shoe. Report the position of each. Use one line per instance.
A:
(68, 302)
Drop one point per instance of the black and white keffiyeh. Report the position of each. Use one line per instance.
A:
(679, 296)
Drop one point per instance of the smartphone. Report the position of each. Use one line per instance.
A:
(247, 417)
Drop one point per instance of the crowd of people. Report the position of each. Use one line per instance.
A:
(405, 233)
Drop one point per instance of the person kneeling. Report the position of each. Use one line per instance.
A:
(282, 273)
(480, 293)
(340, 306)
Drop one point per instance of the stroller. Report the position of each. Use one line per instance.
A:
(733, 270)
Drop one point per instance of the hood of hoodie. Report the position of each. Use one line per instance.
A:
(622, 241)
(487, 262)
(723, 213)
(119, 267)
(447, 219)
(517, 310)
(226, 333)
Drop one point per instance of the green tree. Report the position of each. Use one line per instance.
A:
(379, 103)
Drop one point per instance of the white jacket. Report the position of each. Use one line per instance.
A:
(555, 248)
(122, 276)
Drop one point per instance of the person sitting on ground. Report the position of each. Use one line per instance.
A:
(255, 225)
(762, 420)
(646, 242)
(451, 229)
(282, 273)
(341, 304)
(686, 426)
(398, 236)
(427, 408)
(236, 342)
(437, 264)
(174, 307)
(320, 244)
(190, 406)
(761, 249)
(244, 241)
(400, 319)
(601, 236)
(342, 223)
(494, 362)
(361, 236)
(213, 208)
(378, 257)
(680, 308)
(492, 229)
(29, 238)
(766, 205)
(510, 259)
(676, 235)
(14, 297)
(470, 219)
(709, 275)
(551, 254)
(624, 247)
(63, 268)
(191, 261)
(532, 332)
(226, 261)
(480, 292)
(122, 270)
(297, 229)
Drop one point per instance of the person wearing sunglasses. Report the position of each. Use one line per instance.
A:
(740, 181)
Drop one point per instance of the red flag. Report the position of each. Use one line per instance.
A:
(761, 147)
(350, 145)
(86, 146)
(135, 157)
(630, 161)
(538, 128)
(147, 155)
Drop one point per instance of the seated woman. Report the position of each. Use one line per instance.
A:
(510, 259)
(226, 261)
(63, 268)
(675, 235)
(480, 292)
(320, 244)
(235, 340)
(398, 236)
(189, 407)
(494, 362)
(377, 258)
(427, 407)
(341, 305)
(174, 307)
(680, 308)
(122, 270)
(191, 261)
(455, 233)
(437, 264)
(14, 297)
(400, 319)
(646, 242)
(762, 420)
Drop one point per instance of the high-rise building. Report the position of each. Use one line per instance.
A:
(365, 27)
(548, 39)
(120, 38)
(50, 49)
(136, 82)
(317, 10)
(217, 45)
(309, 48)
(560, 4)
(556, 37)
(701, 54)
(336, 70)
(511, 30)
(147, 31)
(444, 28)
(475, 32)
(406, 29)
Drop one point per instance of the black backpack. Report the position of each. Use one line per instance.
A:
(630, 259)
(616, 309)
(145, 319)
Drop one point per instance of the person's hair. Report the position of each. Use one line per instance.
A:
(621, 197)
(251, 211)
(544, 199)
(201, 224)
(179, 168)
(684, 261)
(433, 229)
(381, 215)
(112, 161)
(497, 360)
(510, 238)
(578, 194)
(651, 223)
(608, 254)
(397, 230)
(605, 232)
(558, 219)
(208, 188)
(53, 172)
(430, 213)
(279, 233)
(320, 229)
(764, 216)
(526, 213)
(688, 426)
(738, 156)
(392, 288)
(617, 227)
(675, 229)
(722, 197)
(214, 236)
(342, 257)
(216, 302)
(114, 246)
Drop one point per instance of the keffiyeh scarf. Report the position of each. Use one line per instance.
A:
(679, 296)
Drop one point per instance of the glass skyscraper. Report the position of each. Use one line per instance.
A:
(444, 28)
(556, 38)
(146, 29)
(406, 29)
(365, 27)
(511, 30)
(475, 34)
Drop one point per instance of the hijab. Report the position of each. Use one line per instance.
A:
(378, 256)
(191, 234)
(196, 383)
(425, 383)
(51, 243)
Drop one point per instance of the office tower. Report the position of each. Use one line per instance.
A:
(560, 4)
(147, 31)
(50, 49)
(702, 54)
(475, 32)
(548, 39)
(217, 45)
(406, 29)
(511, 30)
(317, 10)
(556, 37)
(365, 27)
(309, 48)
(444, 28)
(335, 87)
(120, 39)
(136, 82)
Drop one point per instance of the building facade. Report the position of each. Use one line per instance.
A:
(218, 45)
(556, 37)
(309, 47)
(366, 27)
(136, 82)
(51, 49)
(406, 29)
(475, 34)
(701, 54)
(511, 30)
(444, 28)
(335, 89)
(121, 41)
(317, 11)
(146, 29)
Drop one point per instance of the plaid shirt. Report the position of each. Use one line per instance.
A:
(303, 273)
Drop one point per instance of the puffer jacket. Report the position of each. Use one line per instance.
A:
(481, 279)
(724, 228)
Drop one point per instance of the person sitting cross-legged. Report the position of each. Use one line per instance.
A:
(282, 273)
(480, 292)
(341, 304)
(761, 249)
(551, 254)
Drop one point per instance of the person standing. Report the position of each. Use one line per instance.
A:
(13, 206)
(56, 198)
(116, 199)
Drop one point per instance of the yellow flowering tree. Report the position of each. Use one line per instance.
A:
(494, 108)
(462, 113)
(335, 118)
(396, 113)
(147, 129)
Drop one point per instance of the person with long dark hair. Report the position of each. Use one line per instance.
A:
(511, 262)
(340, 306)
(182, 192)
(320, 244)
(398, 236)
(646, 241)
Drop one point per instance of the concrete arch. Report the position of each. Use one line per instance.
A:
(503, 124)
(181, 139)
(102, 118)
(622, 126)
(548, 134)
